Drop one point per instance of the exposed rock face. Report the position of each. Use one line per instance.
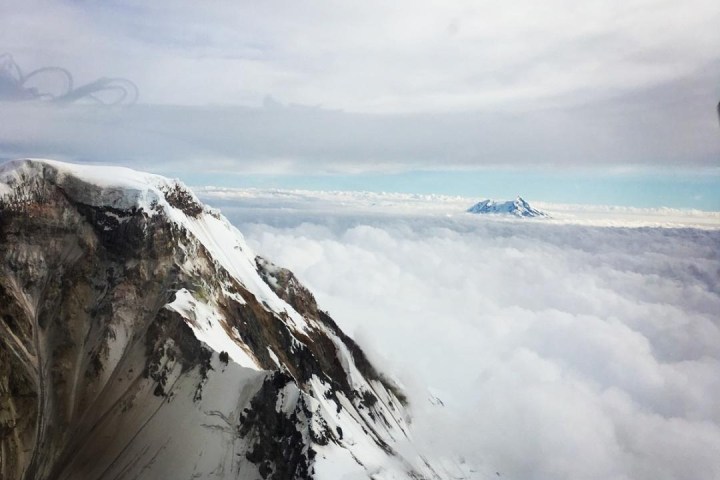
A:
(141, 338)
(518, 207)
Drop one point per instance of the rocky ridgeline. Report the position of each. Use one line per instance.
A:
(141, 338)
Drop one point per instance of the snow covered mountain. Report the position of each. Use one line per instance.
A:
(517, 207)
(140, 337)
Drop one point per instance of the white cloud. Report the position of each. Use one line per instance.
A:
(560, 351)
(460, 83)
(373, 56)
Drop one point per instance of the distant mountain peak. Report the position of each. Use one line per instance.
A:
(518, 207)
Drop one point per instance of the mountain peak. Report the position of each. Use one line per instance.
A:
(142, 338)
(518, 207)
(104, 186)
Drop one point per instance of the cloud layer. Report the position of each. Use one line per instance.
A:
(372, 56)
(559, 351)
(236, 140)
(268, 205)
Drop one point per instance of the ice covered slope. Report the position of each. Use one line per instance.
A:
(140, 337)
(517, 207)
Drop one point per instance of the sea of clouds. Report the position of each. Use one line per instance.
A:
(533, 349)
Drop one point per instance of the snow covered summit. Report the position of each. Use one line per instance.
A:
(518, 207)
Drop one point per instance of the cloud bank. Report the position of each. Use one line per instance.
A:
(236, 140)
(557, 351)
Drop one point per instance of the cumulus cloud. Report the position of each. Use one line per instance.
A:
(558, 351)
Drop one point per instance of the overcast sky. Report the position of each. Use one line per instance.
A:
(343, 87)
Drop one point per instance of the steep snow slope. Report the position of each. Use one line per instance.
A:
(140, 337)
(517, 207)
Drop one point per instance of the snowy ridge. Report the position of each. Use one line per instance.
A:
(290, 364)
(207, 325)
(517, 207)
(124, 189)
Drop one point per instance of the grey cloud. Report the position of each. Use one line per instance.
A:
(665, 131)
(610, 83)
(370, 56)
